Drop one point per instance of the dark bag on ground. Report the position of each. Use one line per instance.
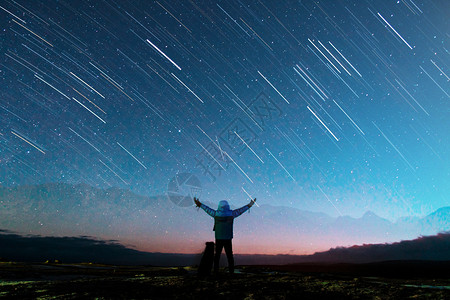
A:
(206, 263)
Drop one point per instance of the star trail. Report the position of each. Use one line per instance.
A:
(331, 106)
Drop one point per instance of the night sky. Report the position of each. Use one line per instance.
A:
(332, 106)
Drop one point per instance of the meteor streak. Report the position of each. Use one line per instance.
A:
(249, 195)
(349, 117)
(27, 141)
(238, 167)
(233, 20)
(330, 201)
(87, 85)
(280, 164)
(247, 146)
(260, 38)
(106, 75)
(217, 145)
(12, 14)
(89, 143)
(89, 100)
(324, 56)
(412, 97)
(163, 54)
(434, 81)
(439, 69)
(312, 81)
(211, 155)
(187, 88)
(35, 75)
(132, 155)
(89, 110)
(273, 87)
(345, 59)
(222, 153)
(42, 39)
(323, 123)
(395, 148)
(335, 58)
(394, 31)
(114, 172)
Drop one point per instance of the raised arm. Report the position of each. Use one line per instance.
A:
(207, 209)
(237, 212)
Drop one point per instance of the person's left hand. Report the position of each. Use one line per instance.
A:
(251, 203)
(197, 202)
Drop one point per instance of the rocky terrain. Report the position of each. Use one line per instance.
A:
(89, 281)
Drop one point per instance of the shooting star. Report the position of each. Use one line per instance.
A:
(88, 100)
(334, 58)
(87, 85)
(163, 54)
(249, 196)
(393, 146)
(324, 56)
(273, 87)
(187, 88)
(27, 141)
(13, 14)
(132, 155)
(434, 81)
(280, 164)
(35, 75)
(323, 124)
(349, 118)
(439, 69)
(211, 155)
(239, 167)
(392, 28)
(113, 172)
(312, 81)
(89, 110)
(89, 143)
(37, 35)
(330, 201)
(248, 146)
(344, 58)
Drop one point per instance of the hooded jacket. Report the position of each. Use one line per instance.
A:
(223, 219)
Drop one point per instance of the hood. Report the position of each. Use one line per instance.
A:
(223, 206)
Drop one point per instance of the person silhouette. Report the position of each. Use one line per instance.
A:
(223, 228)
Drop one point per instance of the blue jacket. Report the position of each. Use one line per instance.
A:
(223, 219)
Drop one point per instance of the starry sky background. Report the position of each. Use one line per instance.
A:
(343, 105)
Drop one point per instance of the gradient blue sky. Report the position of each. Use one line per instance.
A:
(130, 93)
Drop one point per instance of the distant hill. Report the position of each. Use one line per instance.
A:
(86, 249)
(435, 247)
(156, 224)
(33, 248)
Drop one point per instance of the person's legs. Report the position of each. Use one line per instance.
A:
(229, 251)
(219, 247)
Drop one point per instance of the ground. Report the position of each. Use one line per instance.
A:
(73, 281)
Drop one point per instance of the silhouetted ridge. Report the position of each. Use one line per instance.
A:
(87, 249)
(423, 248)
(81, 249)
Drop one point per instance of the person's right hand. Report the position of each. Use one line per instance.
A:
(251, 203)
(197, 202)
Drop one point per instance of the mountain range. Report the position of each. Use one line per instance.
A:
(31, 248)
(155, 224)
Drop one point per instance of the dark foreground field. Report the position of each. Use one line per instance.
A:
(72, 281)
